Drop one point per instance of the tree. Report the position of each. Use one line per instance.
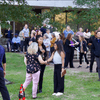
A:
(90, 15)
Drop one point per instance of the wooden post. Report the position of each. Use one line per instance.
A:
(66, 19)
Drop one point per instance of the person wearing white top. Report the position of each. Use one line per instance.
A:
(25, 34)
(47, 44)
(48, 34)
(87, 35)
(58, 57)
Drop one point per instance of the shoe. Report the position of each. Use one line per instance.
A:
(40, 91)
(90, 71)
(99, 79)
(16, 50)
(87, 67)
(97, 69)
(34, 97)
(12, 50)
(79, 66)
(59, 94)
(54, 93)
(72, 67)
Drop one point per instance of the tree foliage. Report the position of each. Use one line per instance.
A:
(89, 16)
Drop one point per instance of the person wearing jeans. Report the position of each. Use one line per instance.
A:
(3, 89)
(25, 33)
(96, 50)
(83, 51)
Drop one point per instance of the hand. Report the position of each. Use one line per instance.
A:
(85, 52)
(76, 43)
(62, 69)
(4, 73)
(45, 62)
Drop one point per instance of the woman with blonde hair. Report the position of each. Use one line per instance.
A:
(32, 61)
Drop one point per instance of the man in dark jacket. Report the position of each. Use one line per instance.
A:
(43, 29)
(92, 53)
(96, 50)
(3, 89)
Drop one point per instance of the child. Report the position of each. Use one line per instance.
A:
(32, 59)
(83, 50)
(47, 44)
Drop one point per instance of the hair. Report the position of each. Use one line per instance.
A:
(33, 32)
(86, 30)
(33, 48)
(60, 36)
(97, 32)
(47, 29)
(69, 27)
(83, 39)
(46, 36)
(37, 37)
(59, 47)
(53, 34)
(63, 38)
(69, 36)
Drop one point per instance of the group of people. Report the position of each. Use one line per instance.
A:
(43, 47)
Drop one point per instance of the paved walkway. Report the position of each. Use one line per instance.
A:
(83, 69)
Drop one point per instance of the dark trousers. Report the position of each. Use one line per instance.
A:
(69, 58)
(41, 76)
(3, 89)
(8, 44)
(98, 64)
(21, 45)
(58, 80)
(92, 61)
(26, 43)
(86, 60)
(15, 45)
(52, 50)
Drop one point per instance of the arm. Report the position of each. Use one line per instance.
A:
(52, 41)
(41, 60)
(63, 58)
(50, 59)
(25, 61)
(4, 65)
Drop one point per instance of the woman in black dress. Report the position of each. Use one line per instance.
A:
(42, 52)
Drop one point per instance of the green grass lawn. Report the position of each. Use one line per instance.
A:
(78, 86)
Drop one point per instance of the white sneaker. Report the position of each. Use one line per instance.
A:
(54, 93)
(59, 94)
(12, 50)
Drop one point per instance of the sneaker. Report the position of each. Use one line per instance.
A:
(90, 71)
(12, 50)
(59, 94)
(87, 67)
(54, 93)
(79, 66)
(40, 91)
(16, 50)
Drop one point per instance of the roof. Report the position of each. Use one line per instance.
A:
(52, 3)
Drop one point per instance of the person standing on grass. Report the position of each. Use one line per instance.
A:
(47, 44)
(69, 51)
(96, 50)
(3, 89)
(92, 52)
(25, 33)
(58, 59)
(52, 42)
(48, 34)
(83, 51)
(32, 61)
(42, 52)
